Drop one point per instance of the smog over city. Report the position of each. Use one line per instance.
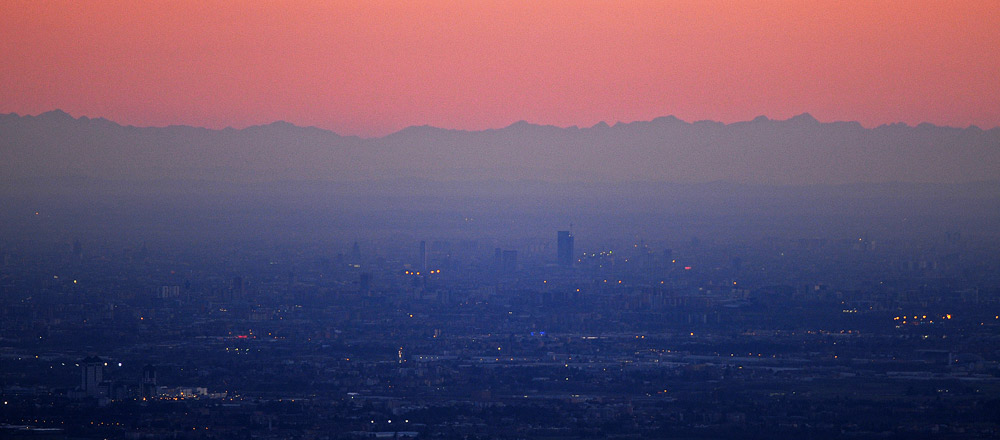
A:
(499, 220)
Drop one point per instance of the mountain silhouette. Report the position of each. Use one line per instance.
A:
(796, 151)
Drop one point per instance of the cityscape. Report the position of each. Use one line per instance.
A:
(452, 339)
(499, 220)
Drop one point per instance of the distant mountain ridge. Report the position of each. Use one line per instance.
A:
(796, 151)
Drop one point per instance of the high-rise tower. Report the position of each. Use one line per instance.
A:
(148, 381)
(565, 248)
(92, 374)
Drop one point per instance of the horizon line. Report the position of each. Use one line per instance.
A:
(598, 125)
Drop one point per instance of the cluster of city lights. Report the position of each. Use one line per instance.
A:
(411, 272)
(918, 319)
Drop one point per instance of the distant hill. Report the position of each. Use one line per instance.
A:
(796, 151)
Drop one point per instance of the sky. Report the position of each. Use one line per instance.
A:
(370, 68)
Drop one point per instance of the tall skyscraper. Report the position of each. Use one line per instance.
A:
(148, 381)
(92, 374)
(564, 253)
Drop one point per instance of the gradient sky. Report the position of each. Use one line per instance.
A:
(370, 68)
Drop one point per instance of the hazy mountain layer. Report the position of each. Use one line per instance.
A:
(800, 150)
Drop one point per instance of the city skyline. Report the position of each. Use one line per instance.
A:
(499, 220)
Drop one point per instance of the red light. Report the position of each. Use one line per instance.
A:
(241, 336)
(687, 267)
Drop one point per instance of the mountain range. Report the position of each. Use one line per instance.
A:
(797, 151)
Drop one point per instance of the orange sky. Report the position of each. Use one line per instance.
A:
(370, 67)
